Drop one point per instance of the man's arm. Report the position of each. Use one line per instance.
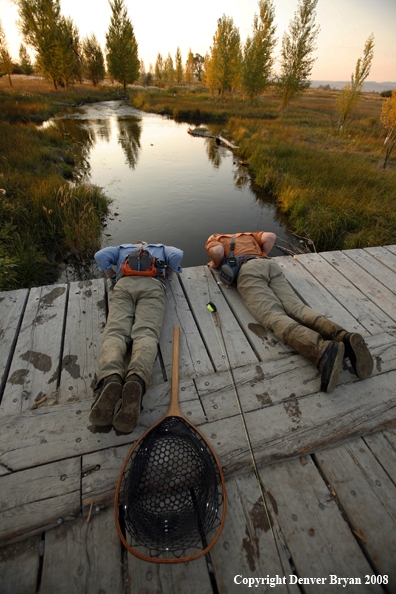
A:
(268, 240)
(216, 254)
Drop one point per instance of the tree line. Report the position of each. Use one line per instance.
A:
(228, 66)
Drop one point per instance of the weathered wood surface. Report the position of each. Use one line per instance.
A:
(300, 426)
(19, 566)
(265, 384)
(85, 322)
(194, 358)
(100, 473)
(200, 288)
(35, 365)
(12, 307)
(355, 301)
(368, 496)
(83, 558)
(286, 416)
(38, 497)
(376, 268)
(180, 578)
(369, 286)
(383, 255)
(246, 547)
(318, 538)
(63, 431)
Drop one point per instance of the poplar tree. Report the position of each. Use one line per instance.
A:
(168, 68)
(258, 59)
(179, 66)
(71, 64)
(24, 60)
(159, 67)
(122, 49)
(6, 60)
(40, 22)
(226, 55)
(352, 92)
(93, 59)
(189, 71)
(296, 52)
(198, 65)
(208, 73)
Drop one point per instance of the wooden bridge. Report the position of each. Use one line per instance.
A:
(327, 462)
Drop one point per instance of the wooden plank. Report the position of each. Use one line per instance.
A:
(383, 255)
(318, 538)
(194, 359)
(12, 307)
(263, 342)
(53, 433)
(31, 500)
(298, 426)
(178, 578)
(100, 472)
(383, 450)
(266, 384)
(201, 288)
(391, 248)
(83, 558)
(378, 294)
(35, 365)
(316, 295)
(367, 313)
(19, 566)
(85, 322)
(246, 547)
(373, 267)
(368, 497)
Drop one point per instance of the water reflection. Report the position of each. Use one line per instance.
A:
(166, 185)
(129, 132)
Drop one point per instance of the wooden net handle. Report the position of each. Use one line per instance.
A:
(174, 409)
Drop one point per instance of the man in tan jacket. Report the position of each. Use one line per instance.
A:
(273, 303)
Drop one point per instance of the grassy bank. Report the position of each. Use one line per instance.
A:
(330, 185)
(43, 217)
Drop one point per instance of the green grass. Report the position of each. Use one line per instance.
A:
(331, 186)
(42, 215)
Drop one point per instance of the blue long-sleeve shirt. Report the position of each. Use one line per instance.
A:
(108, 257)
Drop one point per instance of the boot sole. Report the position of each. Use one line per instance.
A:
(335, 374)
(127, 416)
(363, 364)
(103, 408)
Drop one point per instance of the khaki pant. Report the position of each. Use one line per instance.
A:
(136, 313)
(270, 299)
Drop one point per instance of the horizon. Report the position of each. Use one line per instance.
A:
(340, 42)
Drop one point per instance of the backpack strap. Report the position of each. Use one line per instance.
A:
(232, 245)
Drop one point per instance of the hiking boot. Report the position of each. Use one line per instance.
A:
(127, 411)
(357, 352)
(330, 366)
(109, 392)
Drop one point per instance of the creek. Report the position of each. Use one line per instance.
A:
(166, 186)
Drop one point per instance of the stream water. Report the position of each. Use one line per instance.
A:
(166, 185)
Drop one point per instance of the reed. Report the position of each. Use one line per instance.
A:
(42, 217)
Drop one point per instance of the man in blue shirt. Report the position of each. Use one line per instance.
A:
(136, 313)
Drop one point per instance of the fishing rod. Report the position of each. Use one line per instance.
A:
(213, 309)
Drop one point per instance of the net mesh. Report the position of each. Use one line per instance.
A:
(171, 491)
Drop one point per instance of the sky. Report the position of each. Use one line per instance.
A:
(161, 27)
